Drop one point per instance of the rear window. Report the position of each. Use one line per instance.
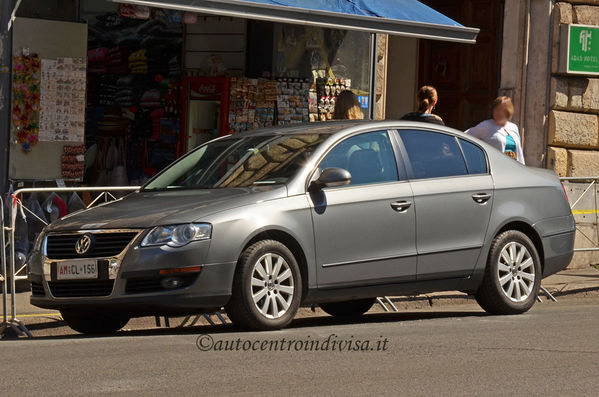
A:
(475, 158)
(432, 154)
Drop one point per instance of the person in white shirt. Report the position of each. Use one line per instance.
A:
(499, 131)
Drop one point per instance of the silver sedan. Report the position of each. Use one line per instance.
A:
(333, 214)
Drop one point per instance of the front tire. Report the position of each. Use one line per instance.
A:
(512, 276)
(94, 322)
(267, 287)
(348, 309)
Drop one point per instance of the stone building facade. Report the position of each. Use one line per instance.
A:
(573, 135)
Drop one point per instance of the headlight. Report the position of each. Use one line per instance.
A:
(177, 235)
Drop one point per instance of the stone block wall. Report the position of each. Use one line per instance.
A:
(573, 137)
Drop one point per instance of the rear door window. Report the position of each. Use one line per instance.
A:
(475, 157)
(433, 154)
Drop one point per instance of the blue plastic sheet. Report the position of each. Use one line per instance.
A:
(404, 10)
(409, 18)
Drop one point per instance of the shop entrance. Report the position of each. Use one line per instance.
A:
(466, 76)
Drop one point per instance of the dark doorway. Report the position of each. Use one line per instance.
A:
(466, 76)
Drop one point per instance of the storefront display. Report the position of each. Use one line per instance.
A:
(62, 100)
(73, 161)
(217, 106)
(327, 91)
(26, 100)
(332, 59)
(252, 104)
(133, 94)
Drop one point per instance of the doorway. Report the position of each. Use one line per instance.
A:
(466, 76)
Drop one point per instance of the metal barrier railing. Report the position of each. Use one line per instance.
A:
(589, 188)
(16, 205)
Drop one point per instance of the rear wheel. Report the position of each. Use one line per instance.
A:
(512, 276)
(267, 287)
(353, 308)
(94, 322)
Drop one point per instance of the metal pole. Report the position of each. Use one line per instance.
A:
(6, 8)
(373, 76)
(3, 257)
(11, 241)
(13, 293)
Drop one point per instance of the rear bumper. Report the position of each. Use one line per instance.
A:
(558, 250)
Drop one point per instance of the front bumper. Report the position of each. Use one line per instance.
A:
(135, 287)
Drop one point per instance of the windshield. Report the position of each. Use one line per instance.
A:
(240, 162)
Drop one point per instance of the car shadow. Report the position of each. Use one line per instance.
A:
(299, 323)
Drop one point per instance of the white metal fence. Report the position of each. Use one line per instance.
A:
(583, 196)
(10, 273)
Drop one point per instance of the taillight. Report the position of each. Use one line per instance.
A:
(566, 193)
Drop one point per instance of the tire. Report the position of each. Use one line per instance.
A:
(348, 309)
(94, 323)
(276, 278)
(512, 277)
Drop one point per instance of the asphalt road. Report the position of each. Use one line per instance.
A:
(551, 351)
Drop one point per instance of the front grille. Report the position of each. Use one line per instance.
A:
(152, 284)
(62, 246)
(68, 289)
(37, 289)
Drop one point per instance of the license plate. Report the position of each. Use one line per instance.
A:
(77, 270)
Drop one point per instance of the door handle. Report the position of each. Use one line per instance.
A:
(481, 198)
(401, 206)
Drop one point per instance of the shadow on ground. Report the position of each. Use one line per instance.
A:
(307, 322)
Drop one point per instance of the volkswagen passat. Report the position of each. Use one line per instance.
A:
(334, 214)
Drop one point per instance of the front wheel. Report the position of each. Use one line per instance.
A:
(512, 276)
(267, 287)
(94, 322)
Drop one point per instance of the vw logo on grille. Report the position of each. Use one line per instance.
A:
(84, 244)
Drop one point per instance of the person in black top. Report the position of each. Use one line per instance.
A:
(427, 99)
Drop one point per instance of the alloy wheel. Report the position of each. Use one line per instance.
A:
(516, 272)
(272, 285)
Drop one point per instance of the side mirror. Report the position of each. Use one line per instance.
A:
(331, 177)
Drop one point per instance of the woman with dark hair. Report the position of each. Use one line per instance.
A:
(347, 107)
(499, 131)
(427, 100)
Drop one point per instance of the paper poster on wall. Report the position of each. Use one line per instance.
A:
(62, 100)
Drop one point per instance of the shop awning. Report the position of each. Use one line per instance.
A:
(397, 17)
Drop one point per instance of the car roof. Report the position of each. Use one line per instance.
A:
(334, 127)
(328, 128)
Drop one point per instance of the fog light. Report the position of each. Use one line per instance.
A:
(172, 282)
(113, 268)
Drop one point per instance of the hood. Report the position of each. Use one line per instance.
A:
(147, 209)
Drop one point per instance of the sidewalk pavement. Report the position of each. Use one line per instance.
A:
(572, 281)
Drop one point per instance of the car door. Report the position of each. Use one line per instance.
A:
(453, 197)
(364, 232)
